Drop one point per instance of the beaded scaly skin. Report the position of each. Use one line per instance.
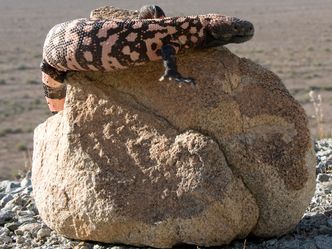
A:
(107, 45)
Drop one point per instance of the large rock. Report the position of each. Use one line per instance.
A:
(136, 161)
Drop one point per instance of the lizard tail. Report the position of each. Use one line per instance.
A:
(54, 89)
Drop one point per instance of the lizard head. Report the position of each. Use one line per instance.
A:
(221, 30)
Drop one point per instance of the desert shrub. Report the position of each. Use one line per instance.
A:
(33, 82)
(7, 131)
(21, 147)
(318, 116)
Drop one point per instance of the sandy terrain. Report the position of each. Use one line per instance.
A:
(293, 39)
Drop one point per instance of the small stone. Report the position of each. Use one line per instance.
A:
(5, 216)
(4, 239)
(323, 242)
(26, 213)
(27, 242)
(16, 208)
(16, 201)
(43, 232)
(18, 232)
(82, 245)
(290, 244)
(329, 222)
(271, 242)
(98, 247)
(117, 247)
(31, 228)
(25, 183)
(328, 212)
(309, 244)
(323, 177)
(325, 230)
(11, 186)
(5, 200)
(26, 220)
(327, 191)
(4, 230)
(3, 185)
(12, 226)
(27, 190)
(20, 240)
(33, 208)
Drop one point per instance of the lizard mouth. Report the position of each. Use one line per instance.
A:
(241, 38)
(213, 40)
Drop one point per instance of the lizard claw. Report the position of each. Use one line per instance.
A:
(178, 78)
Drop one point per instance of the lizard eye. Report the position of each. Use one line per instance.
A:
(236, 27)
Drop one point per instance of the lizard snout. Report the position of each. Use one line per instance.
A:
(244, 28)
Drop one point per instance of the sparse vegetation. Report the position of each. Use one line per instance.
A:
(7, 131)
(21, 147)
(318, 116)
(33, 82)
(22, 67)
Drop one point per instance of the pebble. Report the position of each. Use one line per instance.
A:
(324, 241)
(7, 198)
(12, 226)
(3, 185)
(4, 239)
(323, 177)
(21, 226)
(290, 244)
(30, 228)
(43, 233)
(5, 216)
(20, 240)
(329, 222)
(24, 220)
(309, 245)
(26, 182)
(11, 186)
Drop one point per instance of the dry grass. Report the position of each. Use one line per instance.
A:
(322, 130)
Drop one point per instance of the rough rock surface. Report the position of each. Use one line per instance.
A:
(23, 227)
(140, 181)
(154, 164)
(143, 162)
(110, 12)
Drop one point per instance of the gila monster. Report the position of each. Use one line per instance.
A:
(106, 45)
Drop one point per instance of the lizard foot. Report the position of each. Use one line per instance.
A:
(178, 78)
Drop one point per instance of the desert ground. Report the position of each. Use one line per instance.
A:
(293, 39)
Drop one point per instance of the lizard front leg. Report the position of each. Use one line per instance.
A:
(54, 89)
(151, 12)
(168, 54)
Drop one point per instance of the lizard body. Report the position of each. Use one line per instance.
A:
(106, 45)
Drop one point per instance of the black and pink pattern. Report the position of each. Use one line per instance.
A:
(106, 45)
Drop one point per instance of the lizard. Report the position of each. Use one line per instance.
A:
(116, 44)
